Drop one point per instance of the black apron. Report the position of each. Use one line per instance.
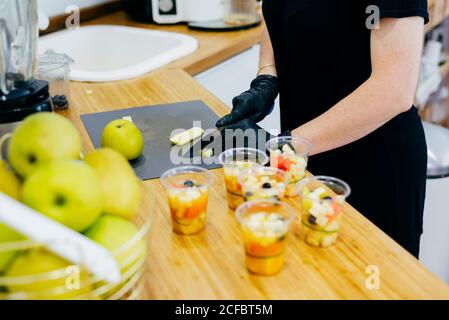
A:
(322, 52)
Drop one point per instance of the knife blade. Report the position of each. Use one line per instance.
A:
(217, 141)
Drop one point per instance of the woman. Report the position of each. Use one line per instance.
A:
(348, 85)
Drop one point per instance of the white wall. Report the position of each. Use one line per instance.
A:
(57, 7)
(435, 240)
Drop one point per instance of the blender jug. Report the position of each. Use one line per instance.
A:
(20, 93)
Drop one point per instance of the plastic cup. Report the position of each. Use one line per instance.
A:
(265, 225)
(188, 190)
(291, 155)
(235, 162)
(322, 200)
(264, 183)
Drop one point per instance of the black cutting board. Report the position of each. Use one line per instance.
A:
(157, 124)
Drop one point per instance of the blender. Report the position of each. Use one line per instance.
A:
(20, 94)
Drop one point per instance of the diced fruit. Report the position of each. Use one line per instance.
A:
(257, 250)
(333, 226)
(187, 136)
(306, 204)
(267, 185)
(263, 185)
(189, 184)
(321, 216)
(286, 149)
(188, 208)
(336, 207)
(207, 153)
(264, 235)
(312, 220)
(329, 240)
(313, 240)
(293, 164)
(305, 191)
(233, 187)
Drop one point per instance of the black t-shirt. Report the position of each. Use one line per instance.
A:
(322, 49)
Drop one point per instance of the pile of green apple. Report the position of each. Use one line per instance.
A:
(97, 195)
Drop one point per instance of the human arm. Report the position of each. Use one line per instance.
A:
(258, 101)
(395, 56)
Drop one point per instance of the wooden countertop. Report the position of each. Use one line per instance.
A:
(211, 266)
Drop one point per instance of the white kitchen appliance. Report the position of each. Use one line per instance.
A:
(175, 11)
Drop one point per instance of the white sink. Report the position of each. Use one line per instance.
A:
(110, 53)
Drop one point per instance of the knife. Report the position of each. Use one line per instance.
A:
(214, 141)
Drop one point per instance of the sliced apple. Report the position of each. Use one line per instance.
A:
(187, 136)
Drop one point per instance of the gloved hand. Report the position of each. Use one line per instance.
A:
(255, 136)
(254, 104)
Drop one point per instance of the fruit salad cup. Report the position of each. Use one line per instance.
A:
(291, 155)
(322, 200)
(264, 183)
(236, 161)
(188, 189)
(265, 226)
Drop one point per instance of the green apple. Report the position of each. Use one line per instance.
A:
(41, 138)
(117, 235)
(9, 183)
(121, 188)
(66, 191)
(6, 256)
(68, 284)
(125, 137)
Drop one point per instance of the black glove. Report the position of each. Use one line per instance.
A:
(253, 135)
(254, 104)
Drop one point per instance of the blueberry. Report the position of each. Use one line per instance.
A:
(60, 101)
(189, 184)
(267, 185)
(312, 220)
